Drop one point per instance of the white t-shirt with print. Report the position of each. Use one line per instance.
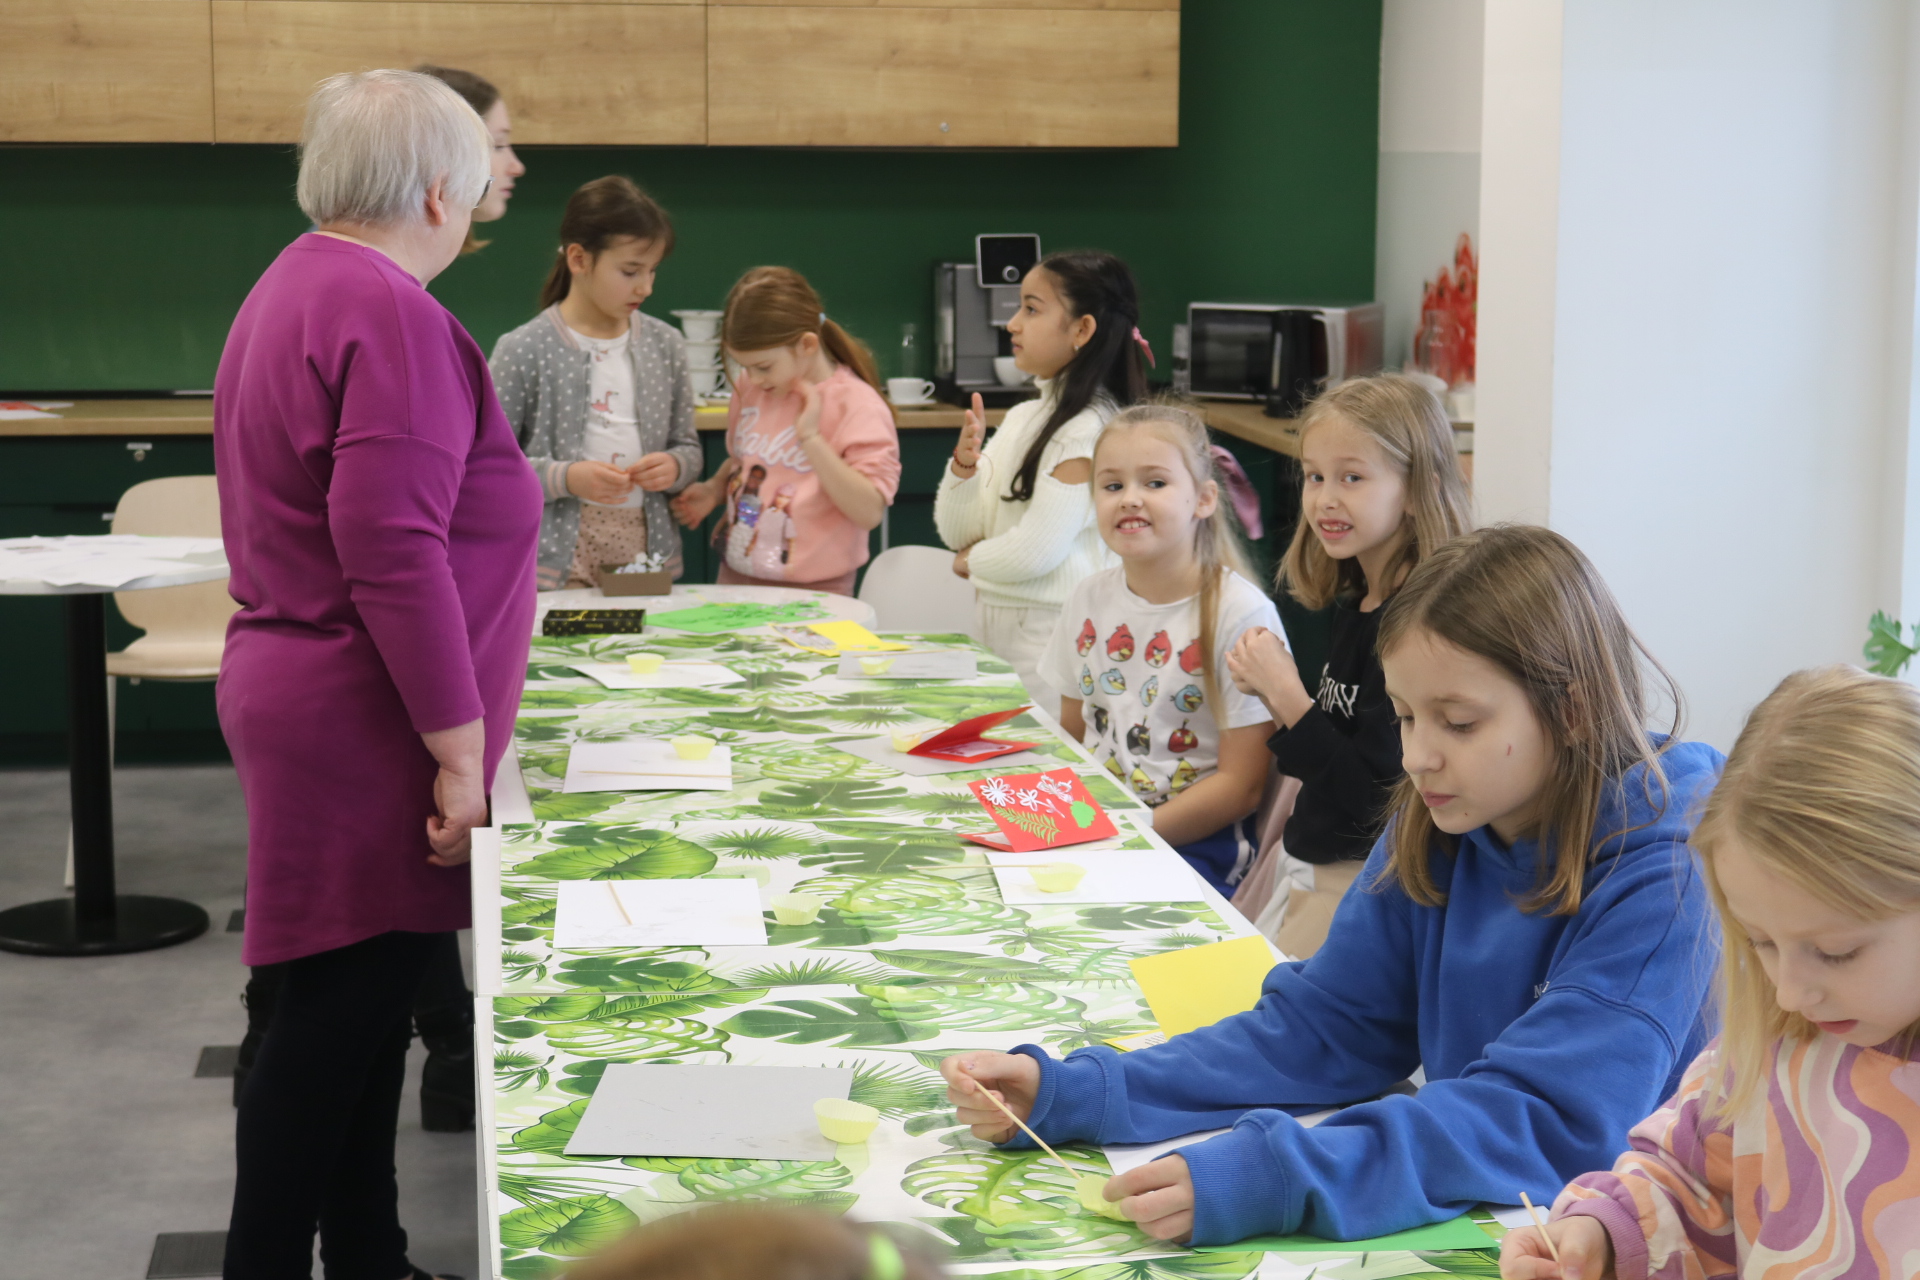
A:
(613, 429)
(1137, 670)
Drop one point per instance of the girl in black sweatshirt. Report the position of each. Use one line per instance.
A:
(1381, 488)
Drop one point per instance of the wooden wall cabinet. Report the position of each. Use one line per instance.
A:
(900, 75)
(105, 71)
(837, 73)
(622, 74)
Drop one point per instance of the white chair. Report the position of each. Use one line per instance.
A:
(186, 627)
(915, 589)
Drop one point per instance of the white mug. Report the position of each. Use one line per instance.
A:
(909, 390)
(705, 381)
(699, 326)
(1009, 373)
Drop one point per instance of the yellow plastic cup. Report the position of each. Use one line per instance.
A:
(845, 1122)
(876, 666)
(906, 741)
(1091, 1189)
(795, 908)
(692, 747)
(645, 664)
(1058, 877)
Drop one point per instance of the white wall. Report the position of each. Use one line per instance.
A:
(1429, 152)
(1696, 319)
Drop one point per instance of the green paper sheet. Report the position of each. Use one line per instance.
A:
(710, 619)
(1458, 1233)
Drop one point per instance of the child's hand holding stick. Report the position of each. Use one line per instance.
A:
(1572, 1248)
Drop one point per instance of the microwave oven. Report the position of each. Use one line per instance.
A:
(1278, 353)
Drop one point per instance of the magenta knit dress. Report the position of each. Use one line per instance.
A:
(381, 523)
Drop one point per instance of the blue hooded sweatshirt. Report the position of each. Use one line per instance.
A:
(1544, 1038)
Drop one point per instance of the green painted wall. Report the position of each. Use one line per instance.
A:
(124, 264)
(121, 266)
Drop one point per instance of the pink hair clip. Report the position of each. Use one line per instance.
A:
(1145, 347)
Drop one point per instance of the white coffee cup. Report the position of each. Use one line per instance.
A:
(699, 326)
(702, 355)
(1009, 373)
(909, 390)
(705, 381)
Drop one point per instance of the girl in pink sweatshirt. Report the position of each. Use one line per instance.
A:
(813, 458)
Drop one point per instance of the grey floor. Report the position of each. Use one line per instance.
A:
(106, 1137)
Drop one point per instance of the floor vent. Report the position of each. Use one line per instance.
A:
(180, 1254)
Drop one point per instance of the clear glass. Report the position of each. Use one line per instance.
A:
(910, 361)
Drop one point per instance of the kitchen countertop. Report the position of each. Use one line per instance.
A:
(190, 416)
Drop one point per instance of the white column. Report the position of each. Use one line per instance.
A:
(1697, 319)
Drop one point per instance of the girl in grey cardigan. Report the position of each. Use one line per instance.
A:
(598, 392)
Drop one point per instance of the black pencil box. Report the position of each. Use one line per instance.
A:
(593, 622)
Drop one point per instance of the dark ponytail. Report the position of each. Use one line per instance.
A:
(1094, 284)
(602, 211)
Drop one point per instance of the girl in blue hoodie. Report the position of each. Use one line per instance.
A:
(1529, 929)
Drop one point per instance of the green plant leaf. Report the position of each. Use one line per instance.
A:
(640, 973)
(1005, 1006)
(551, 1133)
(619, 853)
(764, 1179)
(1120, 918)
(762, 842)
(638, 1039)
(532, 1266)
(963, 966)
(895, 1089)
(832, 929)
(831, 798)
(821, 972)
(1198, 1266)
(571, 1228)
(861, 849)
(1886, 653)
(849, 1022)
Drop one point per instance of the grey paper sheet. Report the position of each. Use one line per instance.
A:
(880, 751)
(926, 664)
(709, 1112)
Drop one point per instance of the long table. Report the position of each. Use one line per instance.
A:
(914, 957)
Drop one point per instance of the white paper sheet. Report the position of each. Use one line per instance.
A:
(931, 664)
(659, 913)
(722, 1112)
(1113, 875)
(880, 751)
(644, 764)
(671, 675)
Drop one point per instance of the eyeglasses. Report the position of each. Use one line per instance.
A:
(483, 192)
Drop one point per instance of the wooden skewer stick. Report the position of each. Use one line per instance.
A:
(613, 891)
(1540, 1225)
(1038, 1140)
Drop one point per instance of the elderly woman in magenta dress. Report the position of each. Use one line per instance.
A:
(381, 523)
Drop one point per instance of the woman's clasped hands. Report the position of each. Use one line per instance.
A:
(1157, 1197)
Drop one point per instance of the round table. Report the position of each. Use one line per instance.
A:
(688, 595)
(96, 920)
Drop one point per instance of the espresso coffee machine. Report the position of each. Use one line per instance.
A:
(972, 303)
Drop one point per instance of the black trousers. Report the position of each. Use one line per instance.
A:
(443, 1006)
(315, 1134)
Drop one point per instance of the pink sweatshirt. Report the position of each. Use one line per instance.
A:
(1818, 1179)
(780, 524)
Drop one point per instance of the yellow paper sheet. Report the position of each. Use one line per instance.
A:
(1201, 985)
(851, 637)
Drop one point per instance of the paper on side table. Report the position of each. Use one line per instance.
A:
(644, 764)
(1113, 875)
(709, 1112)
(659, 913)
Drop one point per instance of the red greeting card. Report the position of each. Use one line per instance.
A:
(962, 742)
(1041, 811)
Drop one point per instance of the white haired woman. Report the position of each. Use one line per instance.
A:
(381, 523)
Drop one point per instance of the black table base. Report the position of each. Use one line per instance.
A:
(54, 927)
(96, 920)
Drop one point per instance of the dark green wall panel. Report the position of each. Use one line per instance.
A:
(125, 264)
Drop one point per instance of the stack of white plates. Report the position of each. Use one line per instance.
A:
(702, 341)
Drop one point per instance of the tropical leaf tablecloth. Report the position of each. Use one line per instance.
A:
(915, 956)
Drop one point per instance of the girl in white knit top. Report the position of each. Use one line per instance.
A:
(1019, 511)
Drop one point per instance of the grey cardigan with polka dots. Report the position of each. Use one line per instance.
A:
(540, 373)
